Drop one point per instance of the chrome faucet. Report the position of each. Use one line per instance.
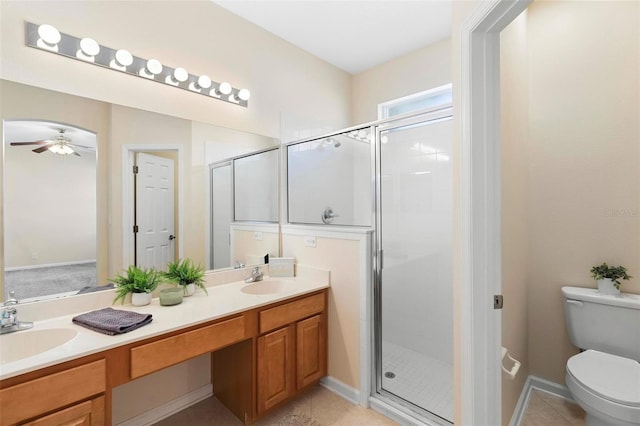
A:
(256, 275)
(9, 316)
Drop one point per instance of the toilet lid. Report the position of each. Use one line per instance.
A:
(610, 376)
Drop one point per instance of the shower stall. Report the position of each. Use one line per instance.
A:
(413, 276)
(396, 176)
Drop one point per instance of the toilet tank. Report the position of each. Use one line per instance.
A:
(605, 323)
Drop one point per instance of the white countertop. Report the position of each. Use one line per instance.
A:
(223, 300)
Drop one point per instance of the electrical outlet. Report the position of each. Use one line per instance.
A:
(310, 241)
(257, 236)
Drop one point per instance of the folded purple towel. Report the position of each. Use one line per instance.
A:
(112, 321)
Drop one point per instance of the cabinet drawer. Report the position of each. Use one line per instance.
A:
(290, 312)
(48, 393)
(163, 353)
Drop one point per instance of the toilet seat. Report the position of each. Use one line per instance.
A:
(610, 377)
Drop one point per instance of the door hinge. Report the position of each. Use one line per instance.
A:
(135, 170)
(135, 229)
(497, 301)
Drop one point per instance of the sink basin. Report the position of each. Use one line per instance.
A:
(268, 287)
(23, 344)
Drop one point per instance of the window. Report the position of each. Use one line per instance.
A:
(439, 96)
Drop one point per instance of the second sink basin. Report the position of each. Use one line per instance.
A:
(268, 287)
(23, 344)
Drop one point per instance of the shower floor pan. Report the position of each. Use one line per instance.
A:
(420, 379)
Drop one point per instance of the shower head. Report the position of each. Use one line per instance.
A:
(336, 144)
(331, 141)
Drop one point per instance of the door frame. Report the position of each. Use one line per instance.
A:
(479, 211)
(128, 187)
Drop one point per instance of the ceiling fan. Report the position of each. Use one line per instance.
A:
(60, 145)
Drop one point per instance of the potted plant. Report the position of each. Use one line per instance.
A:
(140, 282)
(608, 277)
(187, 274)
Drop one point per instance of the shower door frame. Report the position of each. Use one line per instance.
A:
(415, 118)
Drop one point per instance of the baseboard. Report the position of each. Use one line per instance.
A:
(49, 265)
(336, 386)
(538, 383)
(156, 414)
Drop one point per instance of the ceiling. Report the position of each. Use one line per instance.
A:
(353, 35)
(28, 131)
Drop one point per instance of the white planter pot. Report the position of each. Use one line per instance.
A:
(605, 286)
(189, 289)
(140, 299)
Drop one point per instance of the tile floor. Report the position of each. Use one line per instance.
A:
(316, 407)
(321, 407)
(545, 409)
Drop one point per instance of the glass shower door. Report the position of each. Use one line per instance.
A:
(414, 279)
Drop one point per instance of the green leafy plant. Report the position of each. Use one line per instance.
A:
(615, 273)
(185, 272)
(136, 280)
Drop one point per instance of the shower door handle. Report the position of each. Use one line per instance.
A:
(381, 258)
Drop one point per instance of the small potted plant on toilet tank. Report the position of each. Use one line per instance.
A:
(608, 277)
(187, 274)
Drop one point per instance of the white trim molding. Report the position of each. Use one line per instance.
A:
(543, 385)
(480, 210)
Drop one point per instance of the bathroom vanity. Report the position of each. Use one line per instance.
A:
(267, 344)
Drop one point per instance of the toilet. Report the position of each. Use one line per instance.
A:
(604, 378)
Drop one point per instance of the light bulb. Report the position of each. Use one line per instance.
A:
(88, 49)
(154, 66)
(225, 88)
(178, 76)
(244, 94)
(61, 149)
(124, 58)
(49, 37)
(203, 83)
(151, 69)
(89, 46)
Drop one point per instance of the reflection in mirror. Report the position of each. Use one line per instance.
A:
(49, 208)
(244, 209)
(329, 179)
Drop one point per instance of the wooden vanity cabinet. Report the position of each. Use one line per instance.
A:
(74, 396)
(291, 349)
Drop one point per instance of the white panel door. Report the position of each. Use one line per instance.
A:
(155, 240)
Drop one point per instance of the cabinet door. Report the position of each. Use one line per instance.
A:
(275, 368)
(311, 354)
(89, 413)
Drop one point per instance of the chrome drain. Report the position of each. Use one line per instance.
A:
(390, 375)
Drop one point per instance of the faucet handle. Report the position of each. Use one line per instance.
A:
(11, 300)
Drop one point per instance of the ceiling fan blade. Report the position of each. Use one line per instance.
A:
(29, 143)
(42, 148)
(76, 153)
(82, 147)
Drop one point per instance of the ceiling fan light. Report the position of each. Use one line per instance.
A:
(61, 149)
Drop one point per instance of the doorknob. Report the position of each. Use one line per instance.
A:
(172, 237)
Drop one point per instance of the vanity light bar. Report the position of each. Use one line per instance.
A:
(48, 38)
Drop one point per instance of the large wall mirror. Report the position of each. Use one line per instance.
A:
(38, 236)
(244, 209)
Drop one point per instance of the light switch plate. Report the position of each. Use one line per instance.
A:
(310, 241)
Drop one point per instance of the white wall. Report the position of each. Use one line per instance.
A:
(197, 35)
(414, 72)
(50, 207)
